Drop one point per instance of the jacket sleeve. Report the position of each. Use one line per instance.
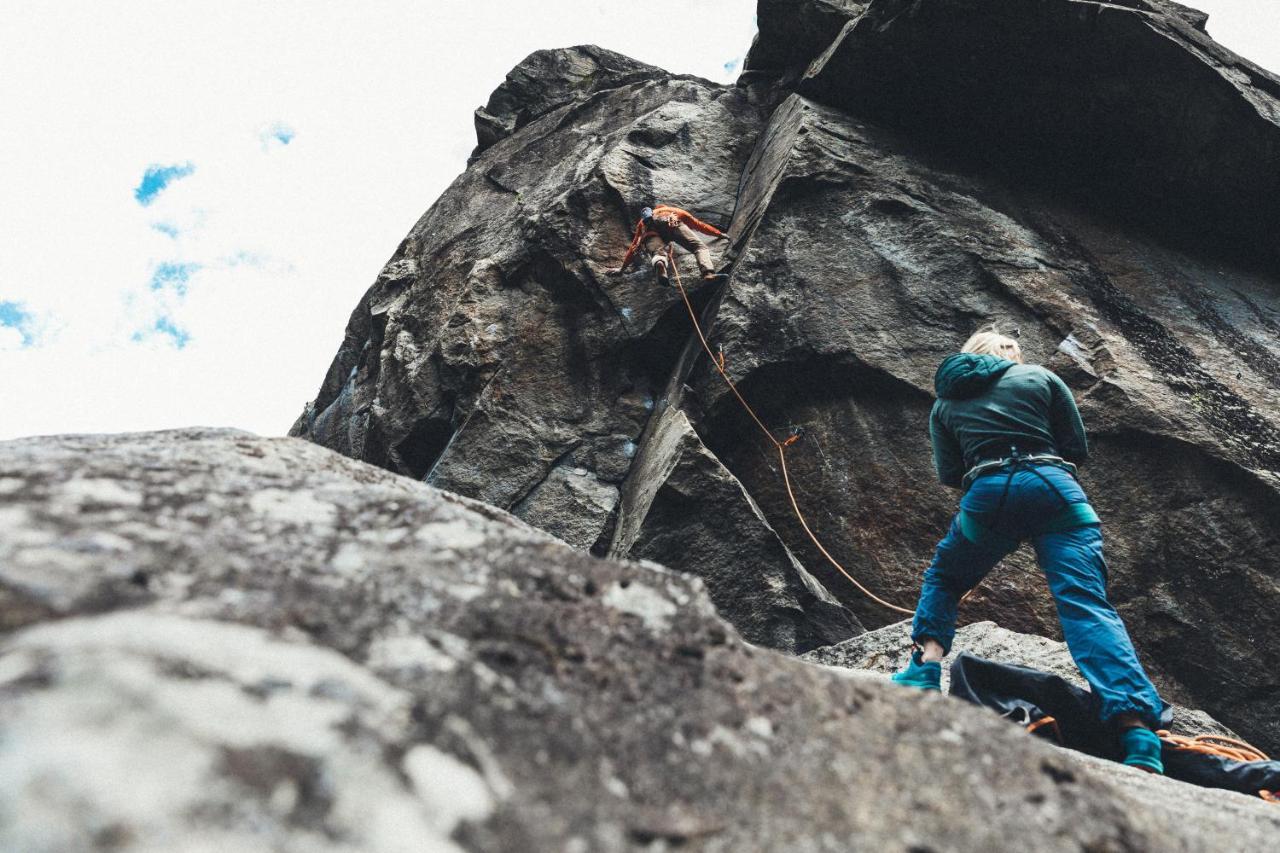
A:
(948, 458)
(1065, 422)
(698, 225)
(635, 244)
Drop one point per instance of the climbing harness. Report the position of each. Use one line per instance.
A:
(780, 446)
(992, 465)
(987, 531)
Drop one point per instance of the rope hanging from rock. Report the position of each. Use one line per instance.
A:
(780, 446)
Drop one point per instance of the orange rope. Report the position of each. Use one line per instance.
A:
(1224, 747)
(780, 446)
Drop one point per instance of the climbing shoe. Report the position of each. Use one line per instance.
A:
(1142, 749)
(714, 277)
(923, 676)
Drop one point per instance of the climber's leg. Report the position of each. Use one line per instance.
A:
(657, 250)
(689, 240)
(958, 566)
(1077, 573)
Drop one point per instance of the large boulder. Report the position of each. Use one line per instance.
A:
(894, 175)
(215, 641)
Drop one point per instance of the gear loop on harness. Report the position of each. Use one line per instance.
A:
(780, 446)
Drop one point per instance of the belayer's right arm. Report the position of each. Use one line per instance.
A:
(636, 239)
(948, 458)
(1065, 422)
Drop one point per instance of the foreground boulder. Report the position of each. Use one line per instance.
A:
(220, 641)
(1098, 178)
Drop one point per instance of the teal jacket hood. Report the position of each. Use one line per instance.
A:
(966, 375)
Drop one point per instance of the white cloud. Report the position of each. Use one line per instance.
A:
(376, 99)
(10, 338)
(318, 132)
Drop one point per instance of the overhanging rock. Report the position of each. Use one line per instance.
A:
(1134, 111)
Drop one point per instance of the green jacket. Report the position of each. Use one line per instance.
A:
(987, 405)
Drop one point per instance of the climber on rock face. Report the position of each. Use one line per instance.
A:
(1008, 433)
(661, 225)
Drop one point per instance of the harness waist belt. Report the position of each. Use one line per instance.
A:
(993, 465)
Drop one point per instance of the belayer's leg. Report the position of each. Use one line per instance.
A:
(958, 566)
(1077, 573)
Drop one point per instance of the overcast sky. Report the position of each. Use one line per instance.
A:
(196, 194)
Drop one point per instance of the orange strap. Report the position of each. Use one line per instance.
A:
(780, 446)
(1046, 721)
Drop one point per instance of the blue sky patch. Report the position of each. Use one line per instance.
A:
(731, 65)
(166, 228)
(165, 326)
(173, 275)
(243, 258)
(278, 132)
(13, 315)
(156, 178)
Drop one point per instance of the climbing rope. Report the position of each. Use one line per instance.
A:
(1216, 745)
(1223, 747)
(781, 446)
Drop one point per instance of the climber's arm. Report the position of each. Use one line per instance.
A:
(635, 245)
(698, 225)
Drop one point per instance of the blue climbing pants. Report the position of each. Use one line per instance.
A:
(1015, 506)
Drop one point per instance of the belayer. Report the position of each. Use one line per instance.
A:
(664, 224)
(1007, 434)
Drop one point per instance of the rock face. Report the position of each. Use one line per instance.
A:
(214, 641)
(894, 175)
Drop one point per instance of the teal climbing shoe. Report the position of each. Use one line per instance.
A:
(1142, 749)
(923, 676)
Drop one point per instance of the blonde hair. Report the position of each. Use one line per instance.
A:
(991, 342)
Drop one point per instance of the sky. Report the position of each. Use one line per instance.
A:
(196, 194)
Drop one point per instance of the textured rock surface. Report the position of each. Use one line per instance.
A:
(549, 79)
(700, 516)
(1127, 104)
(888, 649)
(872, 231)
(496, 356)
(223, 642)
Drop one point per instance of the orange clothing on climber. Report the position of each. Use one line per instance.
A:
(665, 224)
